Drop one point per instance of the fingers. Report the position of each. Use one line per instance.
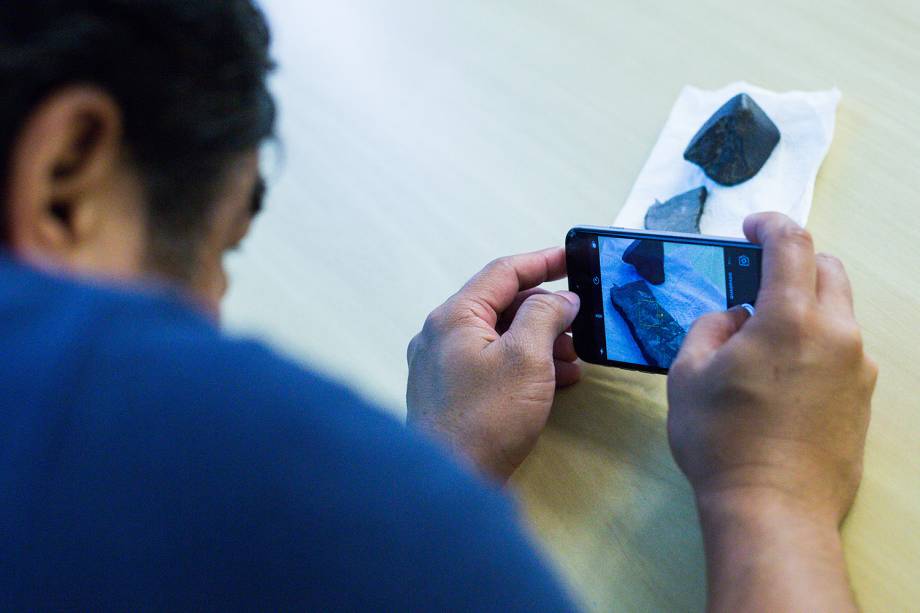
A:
(710, 332)
(507, 316)
(540, 321)
(564, 349)
(789, 269)
(497, 285)
(567, 373)
(833, 286)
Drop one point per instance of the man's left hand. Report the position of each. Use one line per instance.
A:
(484, 369)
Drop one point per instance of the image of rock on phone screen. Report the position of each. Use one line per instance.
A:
(640, 291)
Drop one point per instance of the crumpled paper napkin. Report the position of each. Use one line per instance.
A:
(786, 183)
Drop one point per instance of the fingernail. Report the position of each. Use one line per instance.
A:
(571, 297)
(746, 307)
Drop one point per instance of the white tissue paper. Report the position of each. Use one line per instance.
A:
(786, 183)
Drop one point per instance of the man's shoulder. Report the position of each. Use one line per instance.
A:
(148, 349)
(225, 469)
(135, 365)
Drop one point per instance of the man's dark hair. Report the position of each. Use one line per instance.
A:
(190, 79)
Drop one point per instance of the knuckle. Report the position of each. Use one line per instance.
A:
(849, 341)
(794, 327)
(545, 304)
(829, 261)
(795, 234)
(436, 321)
(500, 265)
(872, 369)
(412, 348)
(796, 315)
(832, 267)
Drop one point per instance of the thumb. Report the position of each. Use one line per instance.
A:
(541, 318)
(713, 330)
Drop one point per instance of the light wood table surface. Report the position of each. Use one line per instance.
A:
(422, 138)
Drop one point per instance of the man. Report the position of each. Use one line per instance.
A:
(148, 462)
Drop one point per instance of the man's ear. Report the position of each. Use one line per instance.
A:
(64, 160)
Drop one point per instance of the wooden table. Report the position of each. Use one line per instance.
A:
(421, 138)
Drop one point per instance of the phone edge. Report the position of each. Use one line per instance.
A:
(699, 239)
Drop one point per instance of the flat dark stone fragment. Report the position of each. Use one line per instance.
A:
(657, 333)
(735, 143)
(648, 258)
(679, 214)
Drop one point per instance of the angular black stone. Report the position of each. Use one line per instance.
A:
(648, 258)
(679, 214)
(735, 143)
(656, 332)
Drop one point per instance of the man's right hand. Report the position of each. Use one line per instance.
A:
(768, 418)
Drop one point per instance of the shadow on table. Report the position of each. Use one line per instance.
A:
(606, 498)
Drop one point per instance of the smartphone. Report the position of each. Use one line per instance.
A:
(641, 291)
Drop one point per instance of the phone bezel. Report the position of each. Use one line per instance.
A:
(585, 328)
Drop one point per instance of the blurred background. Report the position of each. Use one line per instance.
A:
(418, 140)
(421, 138)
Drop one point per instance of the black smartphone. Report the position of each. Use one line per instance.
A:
(641, 291)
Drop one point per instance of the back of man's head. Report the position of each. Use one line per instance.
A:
(189, 80)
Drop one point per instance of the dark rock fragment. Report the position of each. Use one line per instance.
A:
(656, 332)
(735, 143)
(648, 258)
(679, 214)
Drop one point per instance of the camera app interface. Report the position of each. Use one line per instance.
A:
(653, 291)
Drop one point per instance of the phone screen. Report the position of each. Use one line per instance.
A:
(646, 291)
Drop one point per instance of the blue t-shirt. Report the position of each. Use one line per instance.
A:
(148, 462)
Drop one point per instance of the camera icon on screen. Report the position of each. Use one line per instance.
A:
(744, 261)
